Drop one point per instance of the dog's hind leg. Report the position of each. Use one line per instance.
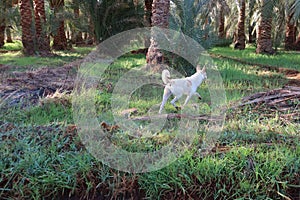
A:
(167, 94)
(173, 102)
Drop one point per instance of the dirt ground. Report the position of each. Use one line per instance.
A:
(25, 88)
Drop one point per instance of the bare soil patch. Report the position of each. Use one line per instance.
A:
(25, 88)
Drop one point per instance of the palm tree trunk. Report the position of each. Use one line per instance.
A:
(251, 26)
(290, 34)
(91, 38)
(2, 22)
(59, 37)
(264, 33)
(43, 41)
(2, 31)
(221, 29)
(8, 34)
(147, 12)
(297, 43)
(77, 34)
(160, 18)
(241, 38)
(27, 27)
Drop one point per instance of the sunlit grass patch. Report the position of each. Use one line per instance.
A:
(16, 58)
(285, 59)
(16, 45)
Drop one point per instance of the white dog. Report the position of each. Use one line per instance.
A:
(178, 87)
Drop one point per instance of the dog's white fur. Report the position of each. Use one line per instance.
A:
(178, 87)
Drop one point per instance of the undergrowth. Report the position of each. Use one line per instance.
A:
(256, 157)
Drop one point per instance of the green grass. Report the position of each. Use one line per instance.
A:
(42, 155)
(16, 58)
(15, 46)
(285, 59)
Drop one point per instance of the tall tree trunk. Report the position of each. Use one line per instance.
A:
(2, 31)
(43, 41)
(147, 19)
(2, 22)
(251, 26)
(160, 18)
(221, 29)
(27, 27)
(8, 34)
(59, 37)
(78, 34)
(241, 38)
(290, 34)
(251, 37)
(91, 38)
(264, 33)
(148, 12)
(297, 43)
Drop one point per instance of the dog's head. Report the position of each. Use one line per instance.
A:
(202, 71)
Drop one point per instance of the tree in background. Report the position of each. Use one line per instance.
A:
(12, 18)
(296, 10)
(159, 18)
(148, 12)
(110, 17)
(240, 42)
(76, 32)
(3, 6)
(42, 38)
(250, 22)
(28, 39)
(292, 16)
(34, 36)
(59, 35)
(264, 32)
(223, 9)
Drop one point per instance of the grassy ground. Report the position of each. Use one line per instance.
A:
(285, 59)
(13, 57)
(259, 155)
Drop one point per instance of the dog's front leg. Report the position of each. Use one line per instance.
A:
(198, 95)
(187, 100)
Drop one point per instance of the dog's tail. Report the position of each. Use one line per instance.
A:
(165, 76)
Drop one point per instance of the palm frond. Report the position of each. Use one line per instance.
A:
(295, 8)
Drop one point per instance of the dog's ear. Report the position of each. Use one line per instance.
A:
(204, 69)
(198, 69)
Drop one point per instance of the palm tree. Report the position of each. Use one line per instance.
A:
(147, 10)
(292, 41)
(2, 31)
(2, 22)
(223, 10)
(290, 33)
(12, 13)
(264, 33)
(8, 34)
(241, 38)
(43, 41)
(221, 29)
(76, 34)
(27, 27)
(159, 18)
(59, 36)
(250, 24)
